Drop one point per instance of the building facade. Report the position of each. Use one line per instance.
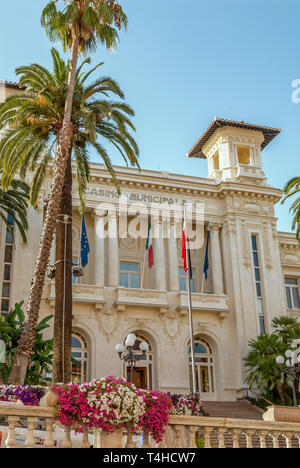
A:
(253, 274)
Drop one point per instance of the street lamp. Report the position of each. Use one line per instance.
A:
(291, 368)
(131, 357)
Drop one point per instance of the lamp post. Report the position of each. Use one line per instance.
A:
(292, 368)
(131, 358)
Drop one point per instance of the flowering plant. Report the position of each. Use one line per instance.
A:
(29, 395)
(107, 404)
(156, 416)
(186, 405)
(111, 403)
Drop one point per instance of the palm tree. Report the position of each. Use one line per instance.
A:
(31, 142)
(14, 202)
(262, 371)
(80, 26)
(293, 188)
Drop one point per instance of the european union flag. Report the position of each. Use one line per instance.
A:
(85, 246)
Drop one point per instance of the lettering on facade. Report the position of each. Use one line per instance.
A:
(106, 194)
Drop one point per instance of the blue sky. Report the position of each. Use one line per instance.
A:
(183, 62)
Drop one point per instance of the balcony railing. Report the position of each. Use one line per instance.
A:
(182, 432)
(155, 298)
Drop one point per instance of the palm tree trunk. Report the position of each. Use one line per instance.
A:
(26, 342)
(61, 370)
(280, 391)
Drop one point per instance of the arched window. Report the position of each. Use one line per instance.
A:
(204, 366)
(142, 376)
(79, 355)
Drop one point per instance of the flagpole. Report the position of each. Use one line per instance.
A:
(190, 304)
(143, 272)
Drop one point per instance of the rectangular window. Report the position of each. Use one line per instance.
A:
(8, 258)
(183, 280)
(74, 278)
(292, 293)
(243, 154)
(129, 275)
(258, 285)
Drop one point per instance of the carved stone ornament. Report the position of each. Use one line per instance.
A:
(171, 327)
(108, 323)
(289, 256)
(129, 242)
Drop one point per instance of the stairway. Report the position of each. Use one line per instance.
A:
(232, 409)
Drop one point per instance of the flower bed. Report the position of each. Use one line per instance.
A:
(28, 395)
(110, 404)
(186, 405)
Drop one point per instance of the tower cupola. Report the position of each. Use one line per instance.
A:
(233, 150)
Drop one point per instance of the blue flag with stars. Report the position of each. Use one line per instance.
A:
(85, 246)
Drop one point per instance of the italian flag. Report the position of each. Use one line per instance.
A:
(185, 252)
(149, 245)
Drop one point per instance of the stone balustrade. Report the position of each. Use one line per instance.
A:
(229, 433)
(182, 432)
(40, 422)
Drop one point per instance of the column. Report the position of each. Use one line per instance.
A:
(113, 251)
(173, 260)
(159, 259)
(99, 258)
(216, 259)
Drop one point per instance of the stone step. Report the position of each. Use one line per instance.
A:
(232, 409)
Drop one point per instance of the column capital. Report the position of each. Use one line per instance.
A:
(99, 213)
(215, 226)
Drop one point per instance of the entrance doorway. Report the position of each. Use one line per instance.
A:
(142, 374)
(139, 377)
(204, 368)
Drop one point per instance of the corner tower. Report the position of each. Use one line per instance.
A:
(233, 150)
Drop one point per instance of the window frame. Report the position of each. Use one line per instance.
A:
(184, 276)
(129, 273)
(258, 283)
(292, 287)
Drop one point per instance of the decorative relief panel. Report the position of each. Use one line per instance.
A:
(268, 256)
(290, 255)
(245, 244)
(172, 326)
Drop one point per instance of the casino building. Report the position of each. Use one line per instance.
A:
(253, 274)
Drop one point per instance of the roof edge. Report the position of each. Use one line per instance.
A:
(196, 151)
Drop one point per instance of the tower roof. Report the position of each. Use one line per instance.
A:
(196, 151)
(11, 84)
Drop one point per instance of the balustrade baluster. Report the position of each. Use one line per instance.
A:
(206, 435)
(31, 423)
(263, 435)
(130, 443)
(288, 436)
(49, 433)
(178, 436)
(249, 435)
(235, 437)
(193, 435)
(11, 441)
(85, 438)
(67, 443)
(221, 437)
(146, 441)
